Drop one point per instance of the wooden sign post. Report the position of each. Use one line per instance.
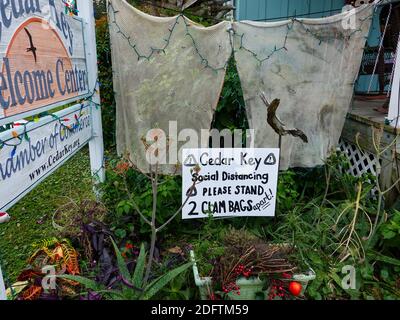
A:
(96, 145)
(3, 295)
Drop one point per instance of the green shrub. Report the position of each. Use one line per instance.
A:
(106, 82)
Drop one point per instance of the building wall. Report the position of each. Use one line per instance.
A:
(266, 10)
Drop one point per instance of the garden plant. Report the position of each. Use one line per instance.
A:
(127, 241)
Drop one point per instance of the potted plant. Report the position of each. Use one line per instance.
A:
(250, 269)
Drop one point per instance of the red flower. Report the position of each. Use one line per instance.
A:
(122, 167)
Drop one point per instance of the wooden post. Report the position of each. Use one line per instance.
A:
(3, 295)
(280, 150)
(96, 145)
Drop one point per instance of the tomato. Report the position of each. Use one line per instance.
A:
(295, 288)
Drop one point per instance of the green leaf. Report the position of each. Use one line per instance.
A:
(123, 269)
(314, 293)
(45, 243)
(388, 234)
(127, 207)
(386, 259)
(120, 233)
(161, 282)
(385, 274)
(87, 283)
(336, 279)
(139, 270)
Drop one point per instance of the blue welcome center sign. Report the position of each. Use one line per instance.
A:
(48, 59)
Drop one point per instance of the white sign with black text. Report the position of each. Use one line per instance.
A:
(229, 182)
(29, 155)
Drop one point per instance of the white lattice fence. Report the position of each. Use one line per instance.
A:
(360, 162)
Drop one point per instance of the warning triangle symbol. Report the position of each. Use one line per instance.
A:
(191, 192)
(270, 160)
(190, 161)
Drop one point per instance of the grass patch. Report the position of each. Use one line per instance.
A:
(32, 216)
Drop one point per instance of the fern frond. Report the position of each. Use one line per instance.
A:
(45, 243)
(35, 255)
(29, 274)
(48, 255)
(67, 242)
(31, 293)
(70, 259)
(69, 282)
(66, 290)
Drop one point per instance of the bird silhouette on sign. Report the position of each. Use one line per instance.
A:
(32, 48)
(277, 124)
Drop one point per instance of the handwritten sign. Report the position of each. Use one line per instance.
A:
(229, 182)
(42, 57)
(25, 162)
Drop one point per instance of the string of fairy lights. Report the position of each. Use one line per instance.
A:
(17, 139)
(320, 37)
(70, 7)
(274, 51)
(133, 44)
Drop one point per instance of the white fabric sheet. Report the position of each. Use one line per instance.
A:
(311, 66)
(172, 85)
